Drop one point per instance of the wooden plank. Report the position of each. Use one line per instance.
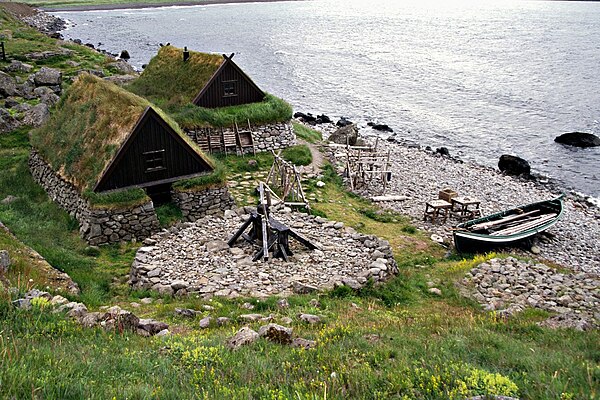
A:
(489, 224)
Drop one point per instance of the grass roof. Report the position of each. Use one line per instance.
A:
(168, 80)
(89, 125)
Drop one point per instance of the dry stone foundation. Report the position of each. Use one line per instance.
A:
(197, 204)
(195, 258)
(266, 137)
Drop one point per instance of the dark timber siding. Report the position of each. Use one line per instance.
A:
(153, 154)
(214, 95)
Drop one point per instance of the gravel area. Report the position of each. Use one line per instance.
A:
(574, 242)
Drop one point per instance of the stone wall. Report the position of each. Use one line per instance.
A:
(266, 137)
(96, 225)
(117, 225)
(197, 204)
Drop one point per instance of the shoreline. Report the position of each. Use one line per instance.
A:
(138, 6)
(418, 175)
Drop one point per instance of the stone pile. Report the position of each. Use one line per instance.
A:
(510, 285)
(195, 258)
(112, 319)
(4, 261)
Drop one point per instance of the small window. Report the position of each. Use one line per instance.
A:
(154, 160)
(229, 89)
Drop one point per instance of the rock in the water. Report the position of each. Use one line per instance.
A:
(578, 139)
(381, 127)
(276, 333)
(124, 55)
(4, 261)
(308, 117)
(47, 77)
(343, 121)
(443, 151)
(323, 119)
(513, 165)
(243, 337)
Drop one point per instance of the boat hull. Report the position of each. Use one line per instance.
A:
(471, 242)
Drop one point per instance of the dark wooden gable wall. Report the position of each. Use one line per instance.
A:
(153, 154)
(229, 86)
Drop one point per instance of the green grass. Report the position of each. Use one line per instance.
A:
(215, 178)
(297, 155)
(168, 214)
(305, 133)
(272, 109)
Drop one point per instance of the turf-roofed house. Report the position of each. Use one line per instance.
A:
(215, 102)
(107, 156)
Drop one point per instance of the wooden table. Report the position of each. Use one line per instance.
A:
(435, 209)
(465, 207)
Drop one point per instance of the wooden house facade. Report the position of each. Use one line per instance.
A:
(229, 86)
(153, 154)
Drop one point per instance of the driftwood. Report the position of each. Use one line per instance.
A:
(496, 223)
(526, 226)
(389, 198)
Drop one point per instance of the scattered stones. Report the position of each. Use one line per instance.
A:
(435, 291)
(223, 321)
(276, 333)
(147, 300)
(37, 115)
(244, 336)
(150, 326)
(310, 318)
(314, 303)
(247, 306)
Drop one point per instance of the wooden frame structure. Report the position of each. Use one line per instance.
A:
(218, 140)
(272, 234)
(365, 167)
(285, 178)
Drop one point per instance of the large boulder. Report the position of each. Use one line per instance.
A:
(47, 77)
(37, 115)
(121, 67)
(345, 135)
(276, 333)
(18, 66)
(243, 337)
(513, 165)
(578, 139)
(8, 85)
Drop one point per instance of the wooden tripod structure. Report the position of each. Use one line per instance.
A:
(285, 179)
(272, 234)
